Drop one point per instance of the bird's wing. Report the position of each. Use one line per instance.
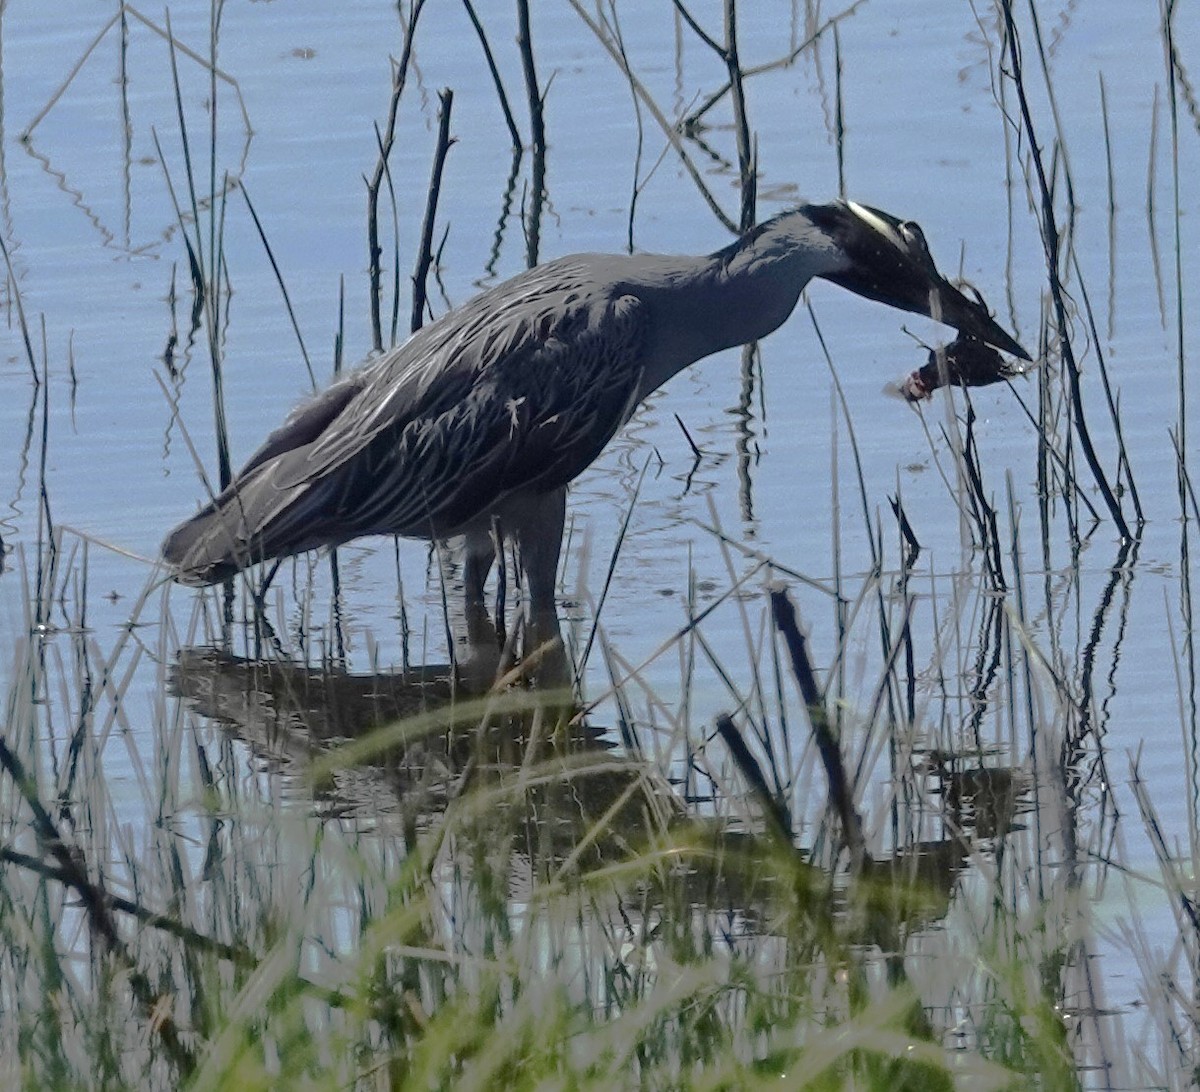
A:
(520, 389)
(490, 405)
(539, 415)
(308, 421)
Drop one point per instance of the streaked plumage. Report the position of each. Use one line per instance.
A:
(490, 411)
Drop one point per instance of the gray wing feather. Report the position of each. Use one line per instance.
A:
(535, 418)
(308, 421)
(520, 389)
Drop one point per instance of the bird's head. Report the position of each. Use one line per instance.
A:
(887, 259)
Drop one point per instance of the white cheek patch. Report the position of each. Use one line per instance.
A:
(874, 220)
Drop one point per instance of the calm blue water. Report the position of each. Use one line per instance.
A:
(88, 222)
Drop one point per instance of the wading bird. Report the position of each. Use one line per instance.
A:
(475, 426)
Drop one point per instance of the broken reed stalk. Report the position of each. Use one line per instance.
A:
(1152, 204)
(537, 121)
(982, 512)
(741, 126)
(97, 907)
(513, 132)
(394, 325)
(1110, 179)
(339, 338)
(774, 810)
(839, 113)
(199, 942)
(46, 538)
(784, 617)
(1124, 467)
(640, 146)
(1174, 69)
(537, 125)
(728, 54)
(1124, 471)
(287, 300)
(215, 238)
(14, 294)
(375, 182)
(1184, 477)
(694, 117)
(1050, 242)
(912, 545)
(670, 130)
(612, 566)
(206, 283)
(425, 254)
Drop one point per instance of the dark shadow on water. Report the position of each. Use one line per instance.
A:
(413, 742)
(14, 503)
(979, 799)
(397, 748)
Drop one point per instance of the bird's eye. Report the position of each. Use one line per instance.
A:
(918, 248)
(912, 234)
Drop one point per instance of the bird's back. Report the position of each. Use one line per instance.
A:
(518, 389)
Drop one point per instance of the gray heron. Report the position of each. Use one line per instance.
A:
(480, 420)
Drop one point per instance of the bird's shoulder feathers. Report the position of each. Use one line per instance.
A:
(520, 388)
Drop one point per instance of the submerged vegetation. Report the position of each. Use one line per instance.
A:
(863, 842)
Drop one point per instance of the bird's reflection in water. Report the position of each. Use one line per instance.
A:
(488, 640)
(977, 799)
(560, 789)
(411, 742)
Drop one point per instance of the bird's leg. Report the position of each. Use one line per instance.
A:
(539, 541)
(479, 554)
(500, 616)
(477, 666)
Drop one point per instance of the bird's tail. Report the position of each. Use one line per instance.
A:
(249, 522)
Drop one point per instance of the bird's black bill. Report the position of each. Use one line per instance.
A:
(926, 292)
(887, 259)
(947, 304)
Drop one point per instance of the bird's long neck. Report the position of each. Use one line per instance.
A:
(737, 295)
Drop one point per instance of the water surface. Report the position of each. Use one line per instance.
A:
(101, 271)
